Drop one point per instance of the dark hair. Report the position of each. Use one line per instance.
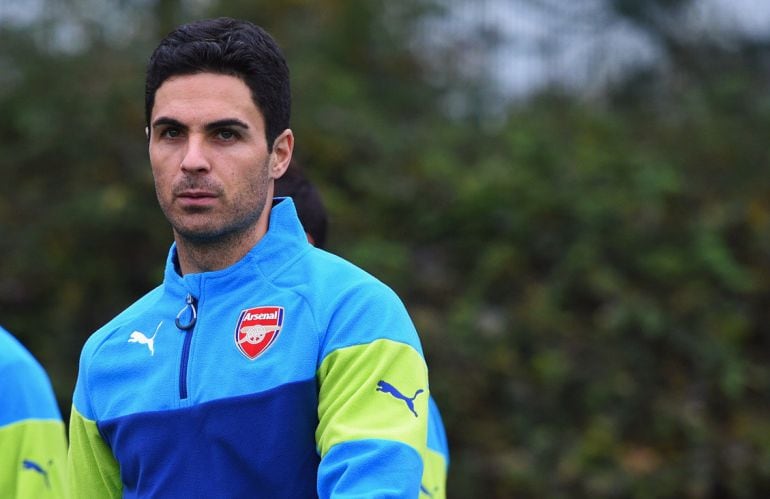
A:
(307, 200)
(230, 47)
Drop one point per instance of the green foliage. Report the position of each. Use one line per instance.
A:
(608, 303)
(590, 279)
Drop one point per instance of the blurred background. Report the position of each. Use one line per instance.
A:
(572, 199)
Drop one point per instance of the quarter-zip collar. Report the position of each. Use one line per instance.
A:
(284, 241)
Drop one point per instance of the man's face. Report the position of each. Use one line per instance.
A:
(209, 156)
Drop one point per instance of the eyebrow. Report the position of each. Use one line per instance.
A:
(164, 121)
(224, 123)
(214, 125)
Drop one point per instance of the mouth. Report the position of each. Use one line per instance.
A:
(196, 197)
(196, 194)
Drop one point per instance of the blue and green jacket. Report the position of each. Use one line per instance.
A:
(291, 373)
(33, 445)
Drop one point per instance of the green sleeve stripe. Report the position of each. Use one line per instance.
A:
(360, 395)
(93, 470)
(434, 475)
(33, 453)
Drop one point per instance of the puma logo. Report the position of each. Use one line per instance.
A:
(141, 338)
(29, 464)
(385, 387)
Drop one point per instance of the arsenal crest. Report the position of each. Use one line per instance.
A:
(257, 329)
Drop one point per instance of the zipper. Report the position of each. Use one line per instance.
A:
(187, 326)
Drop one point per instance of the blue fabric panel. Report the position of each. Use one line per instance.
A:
(25, 391)
(259, 445)
(370, 468)
(437, 440)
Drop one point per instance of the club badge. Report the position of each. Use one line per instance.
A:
(257, 329)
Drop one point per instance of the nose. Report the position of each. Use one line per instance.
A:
(195, 159)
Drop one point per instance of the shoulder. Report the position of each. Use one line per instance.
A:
(343, 274)
(352, 306)
(26, 388)
(13, 354)
(333, 284)
(18, 365)
(93, 366)
(105, 333)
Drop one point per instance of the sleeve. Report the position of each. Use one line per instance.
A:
(92, 469)
(436, 459)
(373, 401)
(33, 445)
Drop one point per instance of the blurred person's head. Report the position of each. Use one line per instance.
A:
(229, 47)
(307, 199)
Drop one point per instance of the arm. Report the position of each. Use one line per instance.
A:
(93, 470)
(33, 446)
(373, 403)
(436, 459)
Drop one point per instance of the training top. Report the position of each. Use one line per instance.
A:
(33, 445)
(291, 373)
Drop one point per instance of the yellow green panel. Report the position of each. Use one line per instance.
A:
(372, 391)
(434, 475)
(33, 454)
(93, 471)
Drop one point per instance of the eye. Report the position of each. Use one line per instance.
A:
(227, 134)
(170, 133)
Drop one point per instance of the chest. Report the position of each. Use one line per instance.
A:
(232, 347)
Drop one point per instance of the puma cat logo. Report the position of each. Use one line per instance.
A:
(384, 386)
(142, 339)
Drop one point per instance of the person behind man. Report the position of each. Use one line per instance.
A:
(307, 201)
(33, 444)
(261, 366)
(312, 215)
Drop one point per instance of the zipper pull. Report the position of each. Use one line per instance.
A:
(189, 303)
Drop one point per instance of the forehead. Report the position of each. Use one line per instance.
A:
(205, 97)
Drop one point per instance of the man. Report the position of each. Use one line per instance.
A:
(33, 445)
(261, 366)
(312, 214)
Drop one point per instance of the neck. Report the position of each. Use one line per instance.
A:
(197, 256)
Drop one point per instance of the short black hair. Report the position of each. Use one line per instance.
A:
(310, 208)
(230, 47)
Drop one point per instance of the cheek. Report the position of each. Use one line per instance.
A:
(161, 165)
(164, 157)
(162, 180)
(248, 173)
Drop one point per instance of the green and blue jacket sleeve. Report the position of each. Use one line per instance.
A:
(436, 458)
(92, 468)
(373, 399)
(33, 445)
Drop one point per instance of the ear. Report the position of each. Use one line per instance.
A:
(280, 157)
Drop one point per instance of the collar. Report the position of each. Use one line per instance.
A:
(284, 240)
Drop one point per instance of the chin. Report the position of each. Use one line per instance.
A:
(199, 234)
